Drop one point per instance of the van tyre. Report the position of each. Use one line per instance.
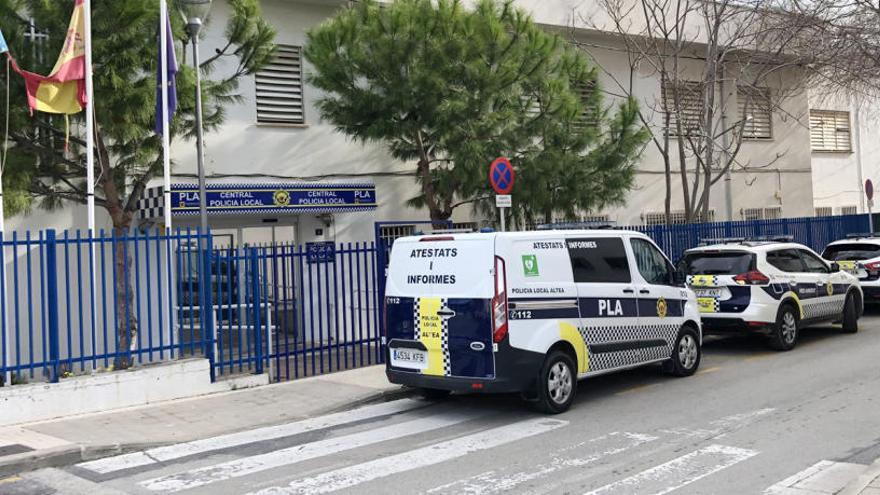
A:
(686, 354)
(785, 330)
(434, 394)
(850, 318)
(557, 383)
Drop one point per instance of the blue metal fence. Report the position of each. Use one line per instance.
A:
(813, 232)
(290, 310)
(63, 310)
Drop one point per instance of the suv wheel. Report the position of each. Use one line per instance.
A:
(850, 318)
(686, 354)
(557, 383)
(785, 331)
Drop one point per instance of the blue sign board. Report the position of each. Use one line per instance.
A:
(291, 198)
(320, 252)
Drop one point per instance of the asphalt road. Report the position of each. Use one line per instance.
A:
(749, 419)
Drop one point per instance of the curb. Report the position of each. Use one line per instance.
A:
(38, 459)
(856, 486)
(383, 396)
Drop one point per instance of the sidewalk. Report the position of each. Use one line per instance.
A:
(67, 441)
(866, 484)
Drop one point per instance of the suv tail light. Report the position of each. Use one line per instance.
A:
(499, 302)
(873, 267)
(752, 278)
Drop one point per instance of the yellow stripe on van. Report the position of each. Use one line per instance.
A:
(570, 334)
(431, 333)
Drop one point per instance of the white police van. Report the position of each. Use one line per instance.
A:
(769, 287)
(533, 312)
(859, 254)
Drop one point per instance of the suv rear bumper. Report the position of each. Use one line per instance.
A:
(725, 326)
(516, 370)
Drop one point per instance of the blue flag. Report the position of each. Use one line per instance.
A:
(172, 79)
(3, 47)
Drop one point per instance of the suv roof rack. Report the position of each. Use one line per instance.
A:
(865, 235)
(746, 240)
(577, 226)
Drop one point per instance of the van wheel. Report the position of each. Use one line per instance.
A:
(850, 318)
(686, 354)
(557, 383)
(434, 394)
(785, 331)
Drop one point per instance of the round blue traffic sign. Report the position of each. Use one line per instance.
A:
(502, 176)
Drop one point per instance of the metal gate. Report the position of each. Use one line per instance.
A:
(295, 310)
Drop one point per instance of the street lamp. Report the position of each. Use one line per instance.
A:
(195, 12)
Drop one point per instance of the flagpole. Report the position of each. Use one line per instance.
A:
(90, 153)
(166, 149)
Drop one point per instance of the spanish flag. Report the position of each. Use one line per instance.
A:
(64, 90)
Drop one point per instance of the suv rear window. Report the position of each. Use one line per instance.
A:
(719, 263)
(851, 252)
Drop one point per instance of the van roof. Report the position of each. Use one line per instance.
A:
(530, 234)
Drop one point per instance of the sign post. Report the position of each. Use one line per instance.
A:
(502, 177)
(869, 192)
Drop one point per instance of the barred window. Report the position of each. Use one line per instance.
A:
(768, 213)
(280, 88)
(690, 108)
(823, 211)
(677, 217)
(849, 210)
(830, 131)
(755, 112)
(390, 233)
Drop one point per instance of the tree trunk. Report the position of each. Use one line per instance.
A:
(127, 325)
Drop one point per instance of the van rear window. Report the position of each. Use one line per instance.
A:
(598, 260)
(723, 263)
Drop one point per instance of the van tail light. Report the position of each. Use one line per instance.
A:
(499, 302)
(752, 278)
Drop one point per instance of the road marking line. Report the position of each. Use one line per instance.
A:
(606, 445)
(822, 478)
(720, 427)
(416, 459)
(679, 472)
(292, 455)
(705, 371)
(636, 388)
(180, 450)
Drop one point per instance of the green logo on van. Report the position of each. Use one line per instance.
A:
(530, 265)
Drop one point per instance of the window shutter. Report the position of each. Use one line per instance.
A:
(280, 88)
(756, 109)
(590, 115)
(830, 131)
(690, 96)
(823, 211)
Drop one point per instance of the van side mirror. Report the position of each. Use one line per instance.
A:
(835, 267)
(679, 278)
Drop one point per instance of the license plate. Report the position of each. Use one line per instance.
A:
(409, 358)
(707, 304)
(714, 293)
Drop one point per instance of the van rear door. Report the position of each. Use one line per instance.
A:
(438, 305)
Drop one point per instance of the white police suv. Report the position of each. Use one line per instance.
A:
(533, 312)
(859, 254)
(772, 288)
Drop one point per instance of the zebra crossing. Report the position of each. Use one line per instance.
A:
(418, 447)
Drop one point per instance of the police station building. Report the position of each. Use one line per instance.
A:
(277, 172)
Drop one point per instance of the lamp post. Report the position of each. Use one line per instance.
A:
(195, 12)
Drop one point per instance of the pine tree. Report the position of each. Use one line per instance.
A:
(450, 89)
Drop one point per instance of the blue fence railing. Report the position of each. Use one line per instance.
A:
(290, 310)
(64, 311)
(815, 232)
